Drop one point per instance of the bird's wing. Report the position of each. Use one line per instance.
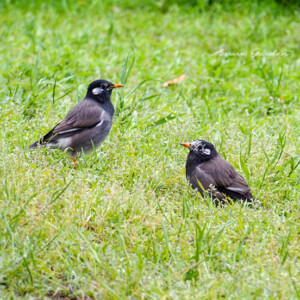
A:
(199, 177)
(204, 181)
(225, 176)
(84, 115)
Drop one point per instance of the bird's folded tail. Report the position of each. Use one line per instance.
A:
(34, 145)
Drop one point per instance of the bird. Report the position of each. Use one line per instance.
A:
(86, 125)
(210, 173)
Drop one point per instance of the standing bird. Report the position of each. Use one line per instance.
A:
(204, 165)
(87, 124)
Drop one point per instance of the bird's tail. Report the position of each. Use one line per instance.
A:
(34, 145)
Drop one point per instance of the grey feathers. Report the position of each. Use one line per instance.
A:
(215, 174)
(87, 124)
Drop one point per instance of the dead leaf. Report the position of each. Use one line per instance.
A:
(175, 81)
(89, 226)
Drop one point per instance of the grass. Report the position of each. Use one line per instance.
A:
(127, 224)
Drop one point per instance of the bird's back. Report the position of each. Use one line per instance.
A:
(218, 173)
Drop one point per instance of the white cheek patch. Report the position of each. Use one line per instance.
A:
(206, 151)
(196, 144)
(97, 91)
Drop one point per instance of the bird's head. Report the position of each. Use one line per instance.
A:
(202, 149)
(100, 90)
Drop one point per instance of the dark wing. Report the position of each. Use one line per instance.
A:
(227, 179)
(199, 177)
(84, 115)
(204, 181)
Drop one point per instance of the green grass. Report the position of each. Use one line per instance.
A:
(127, 224)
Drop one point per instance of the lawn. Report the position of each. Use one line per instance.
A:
(126, 224)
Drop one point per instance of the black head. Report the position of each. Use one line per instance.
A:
(100, 90)
(202, 149)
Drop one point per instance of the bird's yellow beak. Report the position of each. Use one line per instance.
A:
(187, 145)
(117, 85)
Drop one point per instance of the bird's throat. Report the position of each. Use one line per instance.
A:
(195, 159)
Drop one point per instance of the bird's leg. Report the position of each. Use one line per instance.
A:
(75, 162)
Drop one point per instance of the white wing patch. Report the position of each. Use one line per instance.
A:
(100, 123)
(69, 130)
(75, 129)
(235, 189)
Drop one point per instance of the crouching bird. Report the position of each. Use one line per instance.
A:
(204, 166)
(87, 124)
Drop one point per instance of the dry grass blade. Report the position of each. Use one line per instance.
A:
(175, 81)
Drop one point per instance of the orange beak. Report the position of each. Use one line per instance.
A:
(185, 145)
(117, 85)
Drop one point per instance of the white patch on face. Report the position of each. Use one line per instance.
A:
(196, 144)
(97, 91)
(199, 147)
(206, 151)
